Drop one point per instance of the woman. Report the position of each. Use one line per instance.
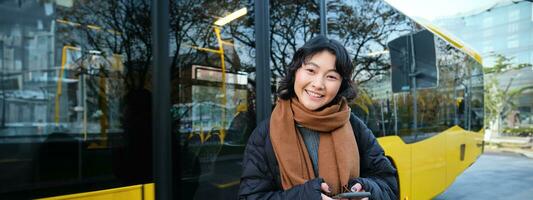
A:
(313, 147)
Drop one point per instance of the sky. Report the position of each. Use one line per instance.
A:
(433, 9)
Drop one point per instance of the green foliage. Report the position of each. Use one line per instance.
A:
(363, 101)
(524, 131)
(503, 64)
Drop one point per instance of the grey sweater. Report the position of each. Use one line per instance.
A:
(311, 140)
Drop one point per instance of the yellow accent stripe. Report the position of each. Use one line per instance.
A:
(456, 43)
(60, 78)
(228, 184)
(68, 22)
(97, 193)
(203, 49)
(94, 27)
(149, 191)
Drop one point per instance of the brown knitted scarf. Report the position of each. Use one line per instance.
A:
(338, 156)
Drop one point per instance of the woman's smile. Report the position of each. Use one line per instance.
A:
(314, 95)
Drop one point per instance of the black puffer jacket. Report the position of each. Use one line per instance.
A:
(261, 179)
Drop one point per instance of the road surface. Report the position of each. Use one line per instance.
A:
(494, 176)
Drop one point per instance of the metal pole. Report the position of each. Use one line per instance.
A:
(161, 128)
(262, 61)
(382, 118)
(469, 99)
(3, 123)
(323, 19)
(222, 134)
(413, 85)
(455, 106)
(395, 115)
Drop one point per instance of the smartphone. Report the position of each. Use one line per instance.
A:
(351, 195)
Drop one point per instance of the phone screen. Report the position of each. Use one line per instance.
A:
(349, 195)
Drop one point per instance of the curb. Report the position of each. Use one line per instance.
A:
(525, 153)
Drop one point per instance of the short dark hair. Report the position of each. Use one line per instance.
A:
(343, 65)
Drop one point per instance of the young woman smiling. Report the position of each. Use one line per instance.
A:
(312, 147)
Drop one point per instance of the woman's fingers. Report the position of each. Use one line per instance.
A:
(357, 188)
(324, 197)
(325, 188)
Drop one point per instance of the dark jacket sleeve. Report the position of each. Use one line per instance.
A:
(257, 181)
(378, 176)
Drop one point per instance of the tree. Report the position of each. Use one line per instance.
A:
(121, 27)
(500, 97)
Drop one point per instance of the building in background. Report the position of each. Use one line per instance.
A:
(505, 27)
(484, 29)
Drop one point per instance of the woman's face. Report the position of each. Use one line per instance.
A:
(317, 81)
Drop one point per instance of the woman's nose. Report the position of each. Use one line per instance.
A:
(318, 83)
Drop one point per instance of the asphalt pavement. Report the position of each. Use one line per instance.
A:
(495, 175)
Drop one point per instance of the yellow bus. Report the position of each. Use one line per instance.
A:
(77, 82)
(433, 139)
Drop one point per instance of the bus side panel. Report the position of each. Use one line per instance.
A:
(429, 167)
(455, 139)
(474, 147)
(400, 153)
(472, 141)
(149, 193)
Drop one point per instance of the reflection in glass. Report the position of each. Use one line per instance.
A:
(292, 23)
(492, 28)
(365, 27)
(213, 65)
(73, 96)
(454, 100)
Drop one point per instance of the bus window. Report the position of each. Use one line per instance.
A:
(477, 97)
(414, 71)
(365, 37)
(73, 99)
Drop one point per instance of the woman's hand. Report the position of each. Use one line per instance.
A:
(324, 197)
(325, 189)
(358, 188)
(355, 188)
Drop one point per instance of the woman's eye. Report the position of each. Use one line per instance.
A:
(332, 77)
(310, 70)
